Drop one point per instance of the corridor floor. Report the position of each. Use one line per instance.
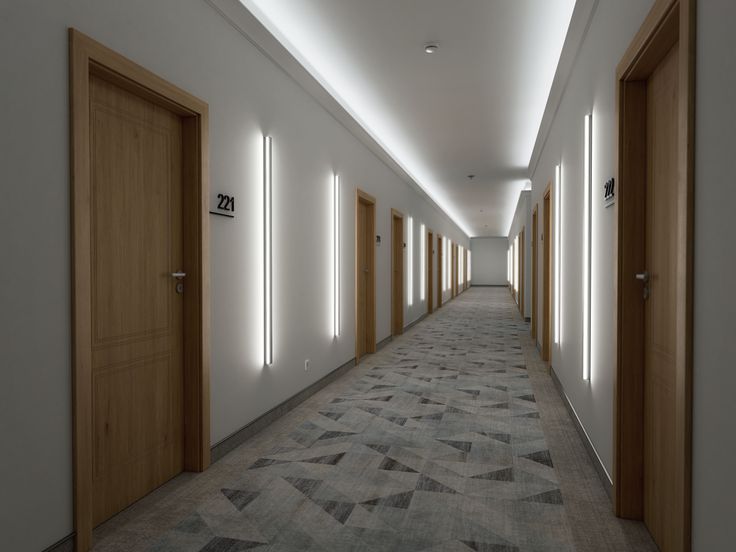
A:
(450, 439)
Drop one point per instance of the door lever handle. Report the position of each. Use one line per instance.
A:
(178, 275)
(642, 276)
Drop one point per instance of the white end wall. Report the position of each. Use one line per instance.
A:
(189, 44)
(489, 261)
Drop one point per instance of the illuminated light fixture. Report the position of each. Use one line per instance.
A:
(336, 255)
(422, 262)
(516, 264)
(558, 250)
(431, 47)
(267, 254)
(410, 258)
(460, 267)
(470, 269)
(587, 243)
(444, 264)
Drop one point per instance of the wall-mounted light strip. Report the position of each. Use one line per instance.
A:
(470, 270)
(422, 262)
(410, 261)
(267, 254)
(558, 250)
(516, 264)
(587, 241)
(444, 264)
(460, 267)
(336, 255)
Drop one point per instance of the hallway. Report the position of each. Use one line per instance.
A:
(451, 438)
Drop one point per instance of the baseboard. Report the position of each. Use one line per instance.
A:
(528, 319)
(64, 545)
(417, 321)
(490, 285)
(230, 443)
(599, 468)
(381, 344)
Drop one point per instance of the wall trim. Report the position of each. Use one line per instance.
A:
(64, 545)
(234, 440)
(589, 447)
(417, 321)
(489, 285)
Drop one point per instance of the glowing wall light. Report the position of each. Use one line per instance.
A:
(267, 254)
(444, 264)
(470, 270)
(410, 258)
(336, 254)
(460, 266)
(422, 262)
(516, 264)
(587, 239)
(558, 250)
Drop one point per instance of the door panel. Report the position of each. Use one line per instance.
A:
(397, 276)
(547, 283)
(430, 273)
(660, 331)
(137, 315)
(440, 260)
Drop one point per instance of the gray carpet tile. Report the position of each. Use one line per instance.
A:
(438, 442)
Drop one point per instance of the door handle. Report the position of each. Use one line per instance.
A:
(642, 276)
(178, 275)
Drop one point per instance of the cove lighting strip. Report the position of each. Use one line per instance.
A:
(470, 269)
(422, 262)
(267, 254)
(587, 240)
(410, 260)
(336, 255)
(558, 250)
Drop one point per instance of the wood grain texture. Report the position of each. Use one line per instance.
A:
(365, 275)
(89, 59)
(671, 23)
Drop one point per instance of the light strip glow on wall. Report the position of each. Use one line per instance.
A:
(470, 271)
(444, 264)
(267, 254)
(422, 261)
(460, 267)
(587, 242)
(336, 254)
(410, 261)
(516, 264)
(558, 250)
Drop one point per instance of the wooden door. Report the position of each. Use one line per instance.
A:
(440, 260)
(660, 317)
(465, 269)
(397, 273)
(430, 274)
(547, 278)
(453, 270)
(365, 325)
(522, 281)
(535, 248)
(137, 311)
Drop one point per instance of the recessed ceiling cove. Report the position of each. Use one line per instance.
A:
(472, 106)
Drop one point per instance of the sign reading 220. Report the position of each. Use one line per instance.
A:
(226, 203)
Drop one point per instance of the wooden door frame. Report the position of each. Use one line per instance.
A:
(429, 268)
(547, 276)
(668, 22)
(535, 266)
(87, 58)
(397, 311)
(440, 260)
(522, 287)
(465, 269)
(370, 202)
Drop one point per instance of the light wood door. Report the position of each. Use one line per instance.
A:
(535, 282)
(430, 274)
(397, 274)
(547, 298)
(440, 260)
(137, 314)
(660, 317)
(522, 276)
(365, 328)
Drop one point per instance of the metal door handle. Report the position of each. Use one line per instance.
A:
(178, 275)
(643, 276)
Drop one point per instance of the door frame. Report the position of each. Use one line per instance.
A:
(86, 58)
(668, 22)
(535, 264)
(370, 201)
(547, 276)
(397, 309)
(522, 287)
(440, 260)
(429, 268)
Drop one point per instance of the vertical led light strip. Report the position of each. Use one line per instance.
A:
(444, 264)
(410, 261)
(516, 264)
(336, 254)
(460, 266)
(267, 254)
(558, 251)
(470, 269)
(587, 240)
(422, 262)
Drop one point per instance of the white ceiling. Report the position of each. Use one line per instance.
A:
(473, 107)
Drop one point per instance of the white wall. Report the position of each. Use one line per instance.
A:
(489, 261)
(714, 367)
(188, 43)
(591, 88)
(523, 221)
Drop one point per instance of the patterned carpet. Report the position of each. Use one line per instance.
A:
(435, 445)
